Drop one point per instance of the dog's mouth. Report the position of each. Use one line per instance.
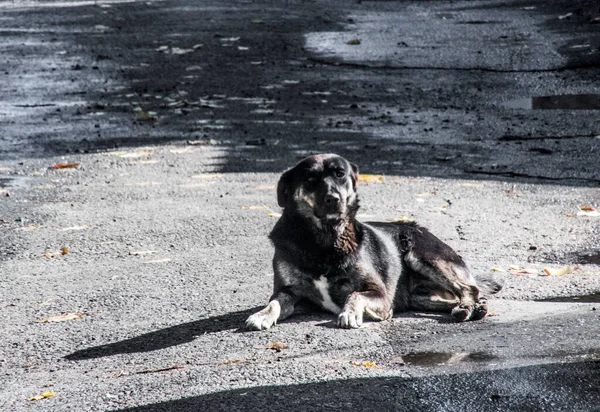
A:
(330, 217)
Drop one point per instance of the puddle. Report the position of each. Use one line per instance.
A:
(445, 358)
(564, 102)
(591, 298)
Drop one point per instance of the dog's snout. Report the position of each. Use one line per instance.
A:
(332, 199)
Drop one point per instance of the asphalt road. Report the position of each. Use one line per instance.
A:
(481, 116)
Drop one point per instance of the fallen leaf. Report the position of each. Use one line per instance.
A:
(66, 229)
(522, 271)
(65, 166)
(492, 314)
(159, 260)
(592, 213)
(134, 155)
(263, 207)
(142, 252)
(496, 269)
(30, 228)
(203, 142)
(366, 364)
(233, 362)
(370, 178)
(559, 271)
(353, 42)
(273, 214)
(587, 208)
(143, 116)
(50, 254)
(170, 368)
(42, 396)
(277, 346)
(62, 318)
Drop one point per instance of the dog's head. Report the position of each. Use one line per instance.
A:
(321, 187)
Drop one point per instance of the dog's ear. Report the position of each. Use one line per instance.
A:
(354, 174)
(283, 188)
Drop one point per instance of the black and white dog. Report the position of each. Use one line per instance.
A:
(325, 256)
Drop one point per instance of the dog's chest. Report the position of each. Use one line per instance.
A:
(322, 287)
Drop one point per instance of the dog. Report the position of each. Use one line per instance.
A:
(326, 257)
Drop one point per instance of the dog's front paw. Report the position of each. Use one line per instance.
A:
(350, 319)
(264, 319)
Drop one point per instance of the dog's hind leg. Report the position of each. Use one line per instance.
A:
(453, 277)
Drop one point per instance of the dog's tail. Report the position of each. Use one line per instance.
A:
(489, 284)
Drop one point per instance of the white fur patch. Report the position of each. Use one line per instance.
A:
(322, 286)
(265, 318)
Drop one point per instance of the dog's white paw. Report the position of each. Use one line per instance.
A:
(350, 319)
(264, 319)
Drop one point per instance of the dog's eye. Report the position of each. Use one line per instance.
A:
(311, 179)
(340, 173)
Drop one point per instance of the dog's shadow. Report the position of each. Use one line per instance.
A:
(187, 332)
(171, 336)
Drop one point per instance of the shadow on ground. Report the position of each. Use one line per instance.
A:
(165, 338)
(237, 74)
(529, 388)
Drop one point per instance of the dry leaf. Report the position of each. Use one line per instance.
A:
(233, 362)
(143, 116)
(495, 269)
(492, 314)
(62, 318)
(353, 42)
(522, 271)
(42, 396)
(132, 155)
(370, 178)
(273, 214)
(30, 228)
(587, 208)
(277, 346)
(559, 271)
(65, 166)
(142, 252)
(591, 213)
(366, 364)
(50, 254)
(74, 228)
(263, 207)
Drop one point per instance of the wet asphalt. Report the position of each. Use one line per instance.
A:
(481, 116)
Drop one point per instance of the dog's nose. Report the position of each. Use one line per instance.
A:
(332, 199)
